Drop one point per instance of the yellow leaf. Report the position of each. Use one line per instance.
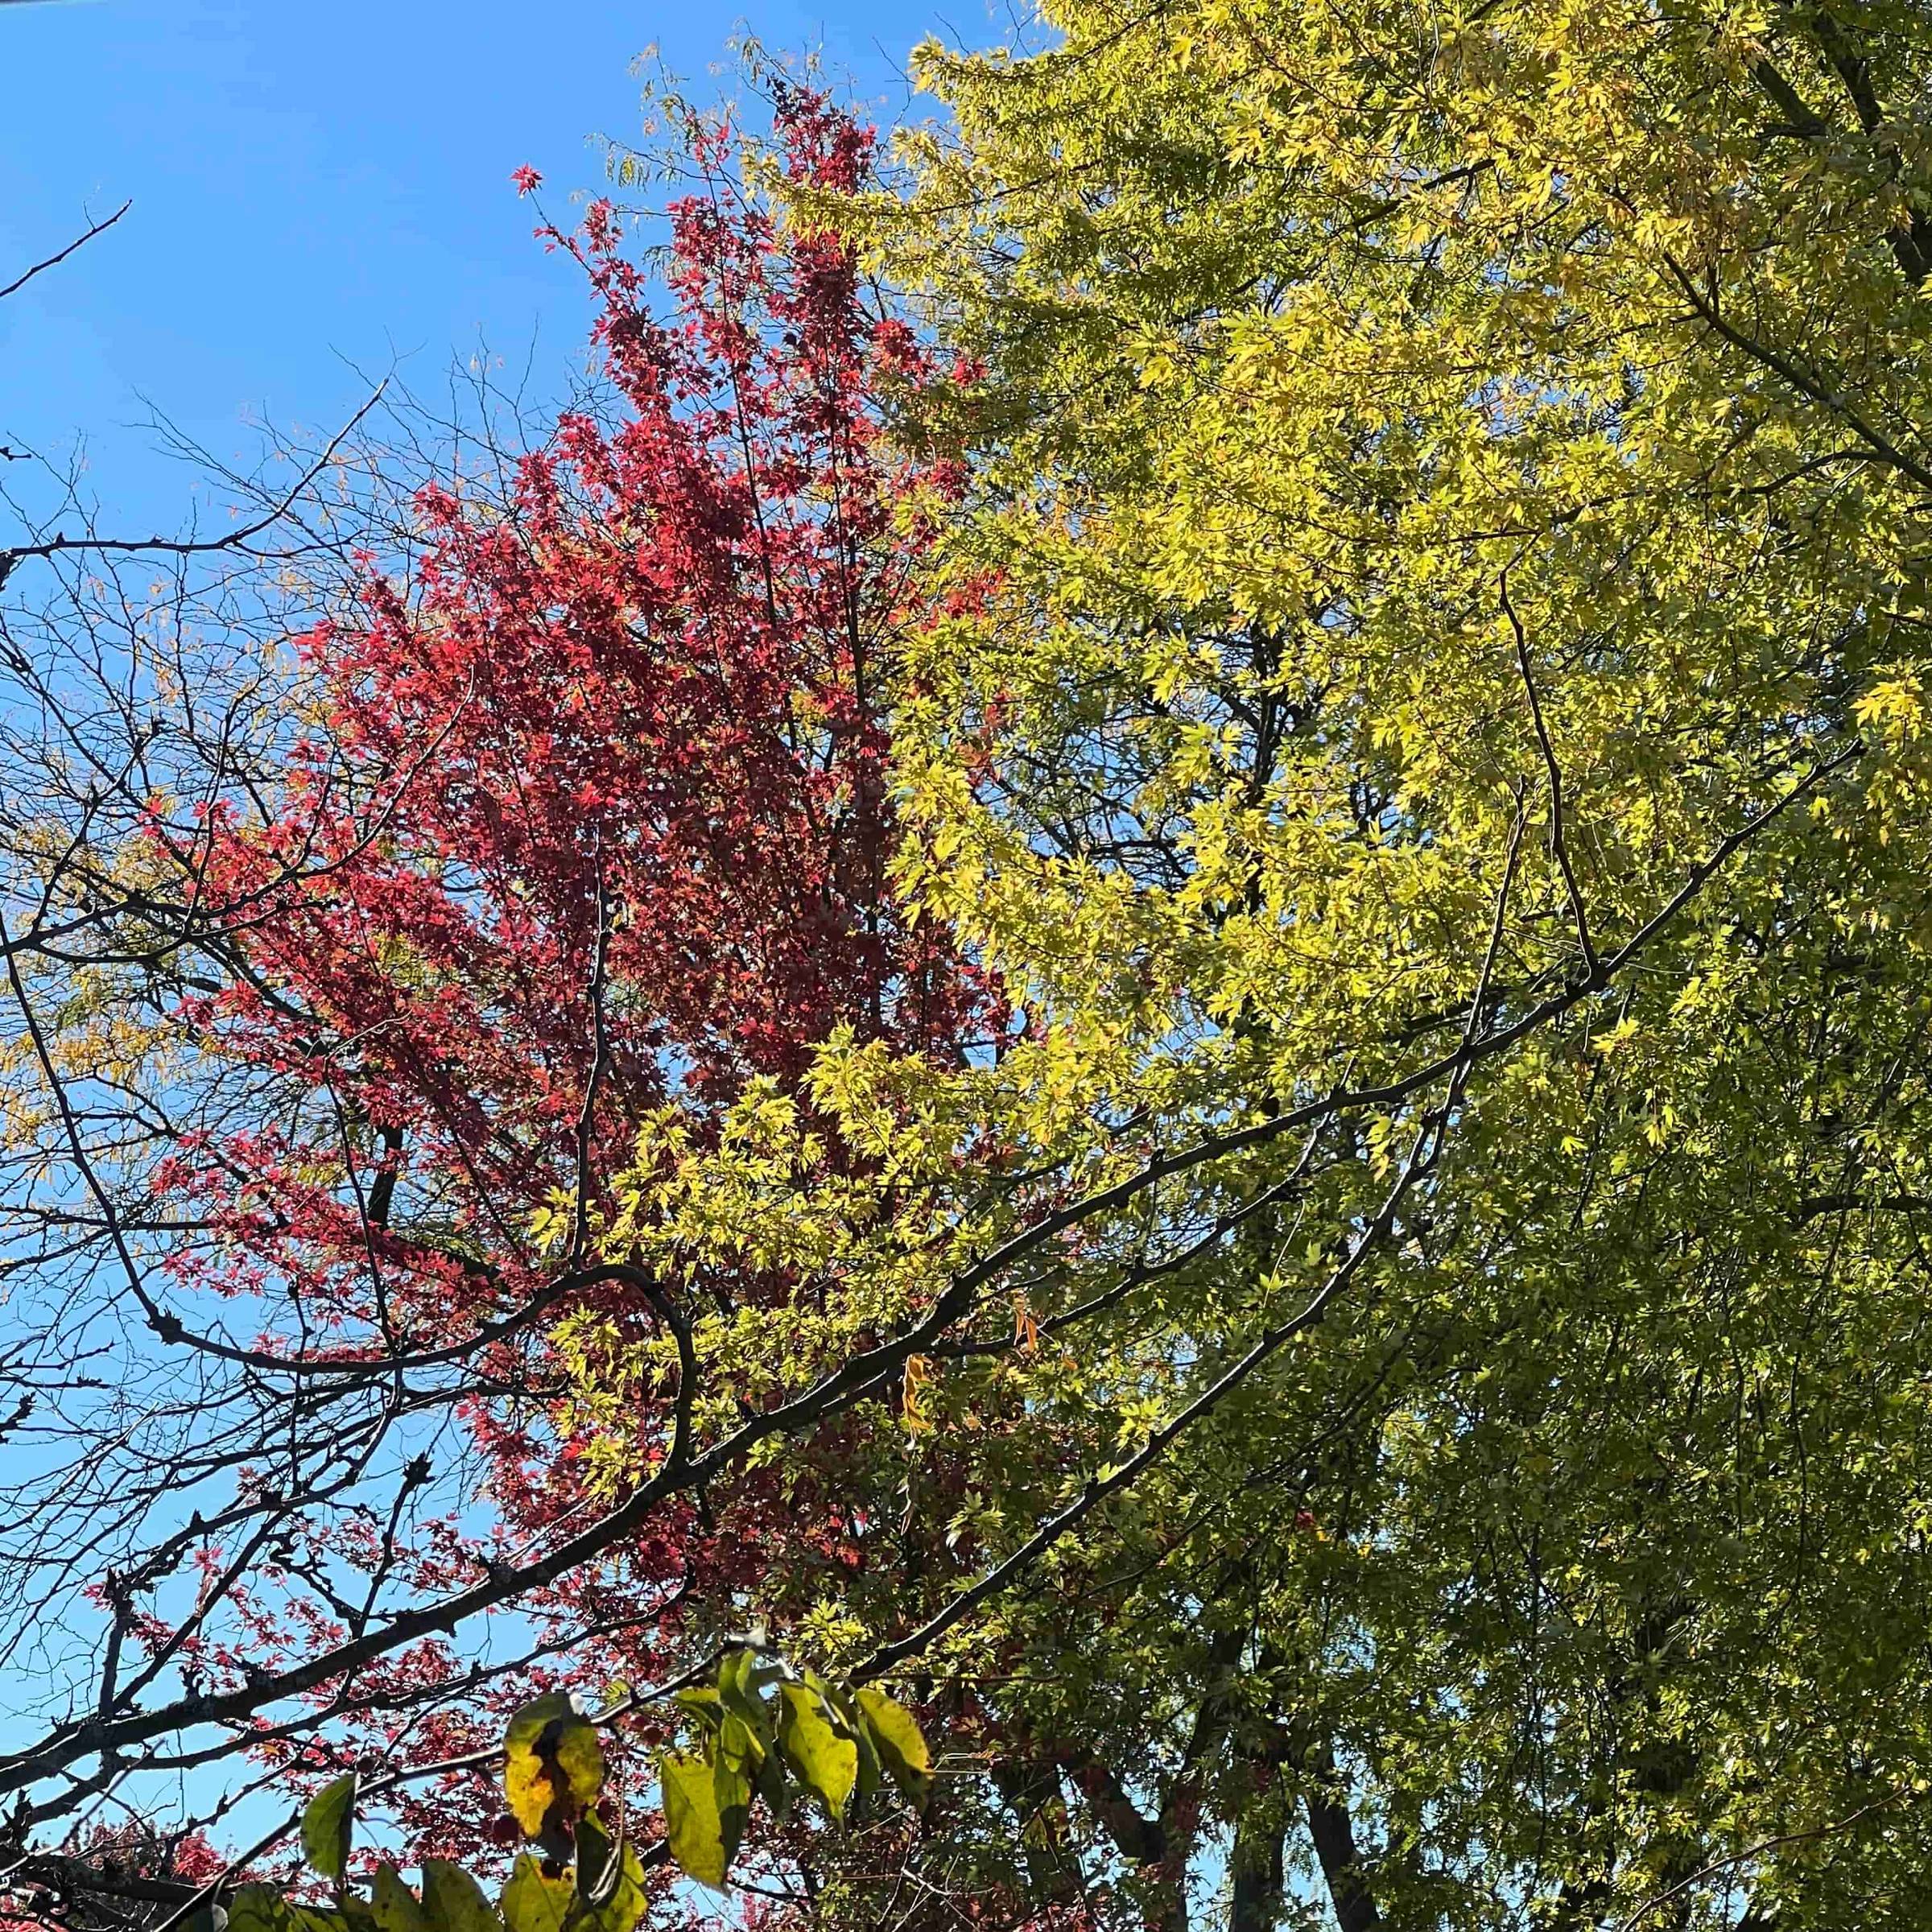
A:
(553, 1765)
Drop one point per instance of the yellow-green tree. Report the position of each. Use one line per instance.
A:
(1431, 739)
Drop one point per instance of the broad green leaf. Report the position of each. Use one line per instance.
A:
(453, 1901)
(731, 1784)
(902, 1749)
(257, 1908)
(845, 1708)
(738, 1691)
(824, 1760)
(263, 1909)
(692, 1823)
(730, 1668)
(739, 1745)
(610, 1880)
(595, 1848)
(553, 1764)
(395, 1906)
(871, 1775)
(329, 1823)
(773, 1786)
(533, 1903)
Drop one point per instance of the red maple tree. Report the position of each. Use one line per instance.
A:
(590, 813)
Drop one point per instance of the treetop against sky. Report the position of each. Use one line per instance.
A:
(1073, 1075)
(318, 199)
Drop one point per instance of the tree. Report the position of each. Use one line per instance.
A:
(571, 822)
(1408, 722)
(1441, 758)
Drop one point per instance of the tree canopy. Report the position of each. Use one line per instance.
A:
(1124, 994)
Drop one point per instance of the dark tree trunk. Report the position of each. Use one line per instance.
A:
(1256, 1905)
(1333, 1831)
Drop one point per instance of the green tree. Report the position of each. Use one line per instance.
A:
(1432, 739)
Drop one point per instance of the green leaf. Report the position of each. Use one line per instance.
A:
(824, 1758)
(739, 1745)
(394, 1904)
(902, 1748)
(329, 1823)
(738, 1690)
(262, 1908)
(254, 1909)
(610, 1880)
(732, 1785)
(257, 1908)
(553, 1764)
(691, 1819)
(533, 1903)
(871, 1776)
(453, 1901)
(773, 1786)
(730, 1666)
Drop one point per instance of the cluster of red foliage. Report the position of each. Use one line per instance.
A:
(592, 815)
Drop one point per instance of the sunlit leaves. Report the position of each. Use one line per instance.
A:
(394, 1907)
(763, 1733)
(262, 1908)
(763, 1728)
(902, 1751)
(534, 1902)
(453, 1901)
(1310, 352)
(817, 1746)
(693, 1819)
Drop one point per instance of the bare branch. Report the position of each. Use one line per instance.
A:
(53, 260)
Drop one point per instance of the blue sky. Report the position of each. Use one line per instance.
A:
(318, 189)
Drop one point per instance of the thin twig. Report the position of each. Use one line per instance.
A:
(180, 547)
(40, 268)
(1756, 1850)
(1559, 848)
(1814, 387)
